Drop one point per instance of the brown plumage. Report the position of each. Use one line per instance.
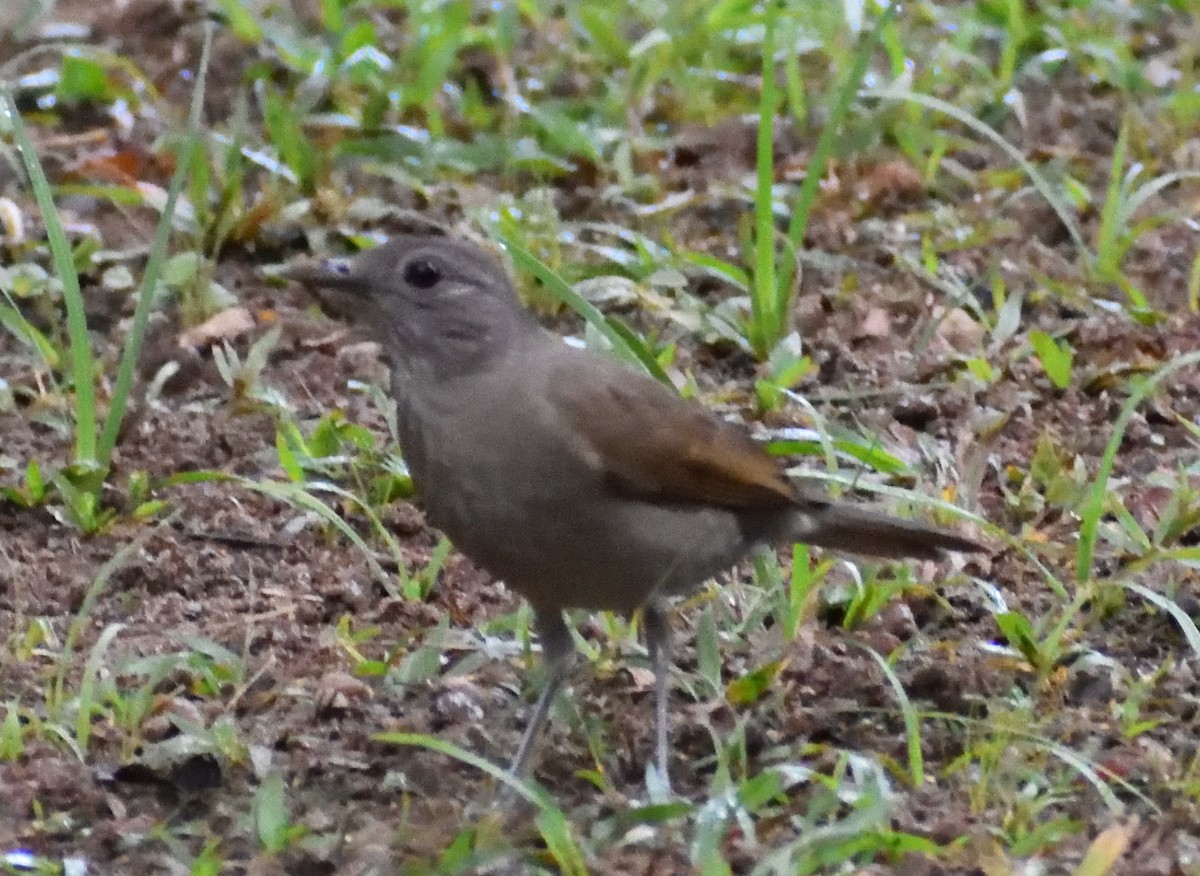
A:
(579, 482)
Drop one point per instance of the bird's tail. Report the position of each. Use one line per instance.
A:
(858, 530)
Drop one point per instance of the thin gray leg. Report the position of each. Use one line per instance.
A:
(658, 642)
(557, 649)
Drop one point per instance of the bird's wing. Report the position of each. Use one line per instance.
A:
(648, 443)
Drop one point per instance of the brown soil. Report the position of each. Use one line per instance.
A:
(264, 591)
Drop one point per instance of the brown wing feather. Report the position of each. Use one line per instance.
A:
(652, 444)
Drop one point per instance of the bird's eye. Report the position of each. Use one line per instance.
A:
(422, 273)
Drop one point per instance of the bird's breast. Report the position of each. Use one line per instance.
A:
(498, 473)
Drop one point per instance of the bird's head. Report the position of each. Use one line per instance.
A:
(432, 302)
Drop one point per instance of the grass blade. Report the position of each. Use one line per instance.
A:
(765, 306)
(912, 723)
(622, 342)
(898, 92)
(158, 250)
(838, 110)
(1092, 510)
(82, 361)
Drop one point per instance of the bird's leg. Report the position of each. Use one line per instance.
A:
(658, 642)
(557, 649)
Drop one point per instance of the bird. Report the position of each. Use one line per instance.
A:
(573, 478)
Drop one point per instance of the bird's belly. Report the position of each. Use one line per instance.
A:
(542, 520)
(589, 550)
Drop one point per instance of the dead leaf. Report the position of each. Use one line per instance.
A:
(889, 183)
(124, 167)
(643, 679)
(224, 326)
(12, 221)
(1107, 849)
(337, 691)
(877, 323)
(958, 330)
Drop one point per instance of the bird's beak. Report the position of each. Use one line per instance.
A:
(326, 274)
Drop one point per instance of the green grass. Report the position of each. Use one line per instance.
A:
(563, 134)
(80, 484)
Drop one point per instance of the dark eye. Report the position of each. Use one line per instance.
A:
(422, 273)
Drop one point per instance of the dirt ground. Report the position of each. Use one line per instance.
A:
(252, 604)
